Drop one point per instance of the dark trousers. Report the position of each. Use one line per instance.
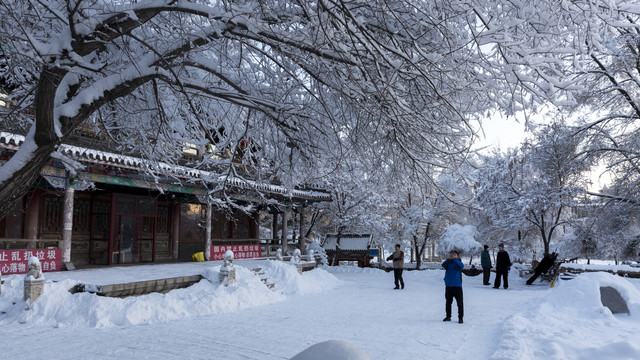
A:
(505, 275)
(397, 277)
(533, 278)
(451, 292)
(486, 275)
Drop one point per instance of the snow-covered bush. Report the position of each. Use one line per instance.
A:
(459, 238)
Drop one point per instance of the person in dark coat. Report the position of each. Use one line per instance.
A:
(453, 285)
(503, 263)
(485, 261)
(398, 264)
(544, 265)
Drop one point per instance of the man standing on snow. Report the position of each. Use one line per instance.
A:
(485, 261)
(398, 264)
(503, 263)
(453, 285)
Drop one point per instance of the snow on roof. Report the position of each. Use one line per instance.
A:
(348, 242)
(13, 141)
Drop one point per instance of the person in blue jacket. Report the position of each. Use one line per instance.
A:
(453, 284)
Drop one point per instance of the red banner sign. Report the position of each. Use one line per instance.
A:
(239, 251)
(17, 261)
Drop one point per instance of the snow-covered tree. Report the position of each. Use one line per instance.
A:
(616, 225)
(535, 188)
(583, 56)
(428, 209)
(359, 203)
(461, 239)
(290, 78)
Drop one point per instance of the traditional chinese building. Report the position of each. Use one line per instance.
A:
(123, 209)
(350, 247)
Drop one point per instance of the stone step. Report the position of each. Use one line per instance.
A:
(262, 276)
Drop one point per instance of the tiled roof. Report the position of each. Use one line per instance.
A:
(82, 154)
(348, 242)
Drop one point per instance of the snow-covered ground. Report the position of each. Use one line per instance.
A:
(249, 321)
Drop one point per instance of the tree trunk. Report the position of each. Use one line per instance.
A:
(15, 187)
(28, 166)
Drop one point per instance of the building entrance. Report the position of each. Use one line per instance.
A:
(134, 229)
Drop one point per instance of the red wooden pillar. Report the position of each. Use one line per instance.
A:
(67, 221)
(285, 218)
(207, 233)
(274, 233)
(175, 230)
(32, 218)
(302, 242)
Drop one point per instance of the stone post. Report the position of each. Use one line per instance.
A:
(295, 259)
(33, 281)
(67, 222)
(207, 233)
(227, 271)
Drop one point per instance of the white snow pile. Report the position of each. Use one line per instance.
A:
(59, 308)
(332, 349)
(570, 322)
(352, 269)
(460, 238)
(290, 282)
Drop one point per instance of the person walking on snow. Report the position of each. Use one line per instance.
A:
(503, 263)
(398, 264)
(453, 285)
(485, 261)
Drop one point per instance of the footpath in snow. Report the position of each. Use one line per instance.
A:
(247, 320)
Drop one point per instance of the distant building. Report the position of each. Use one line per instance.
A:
(349, 247)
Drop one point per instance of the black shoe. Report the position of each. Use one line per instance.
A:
(402, 286)
(496, 287)
(448, 318)
(460, 321)
(487, 284)
(396, 288)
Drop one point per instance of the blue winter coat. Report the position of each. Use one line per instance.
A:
(453, 272)
(485, 259)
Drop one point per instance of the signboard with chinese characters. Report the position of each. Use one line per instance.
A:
(16, 261)
(239, 251)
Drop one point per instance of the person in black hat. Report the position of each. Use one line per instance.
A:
(503, 263)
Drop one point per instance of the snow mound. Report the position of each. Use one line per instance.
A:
(332, 349)
(59, 308)
(288, 281)
(570, 322)
(352, 269)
